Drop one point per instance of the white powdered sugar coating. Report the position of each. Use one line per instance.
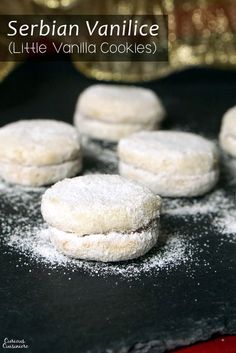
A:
(169, 152)
(170, 163)
(99, 203)
(39, 142)
(40, 130)
(228, 132)
(173, 142)
(109, 247)
(120, 104)
(85, 191)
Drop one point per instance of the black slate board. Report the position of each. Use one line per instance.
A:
(94, 314)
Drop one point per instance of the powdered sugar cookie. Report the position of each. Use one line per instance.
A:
(39, 152)
(111, 112)
(101, 217)
(170, 163)
(228, 132)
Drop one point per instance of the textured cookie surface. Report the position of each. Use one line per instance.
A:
(172, 152)
(120, 104)
(109, 131)
(228, 132)
(170, 163)
(39, 176)
(94, 204)
(174, 186)
(38, 143)
(112, 246)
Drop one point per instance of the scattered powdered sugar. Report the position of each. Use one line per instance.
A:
(215, 202)
(36, 244)
(220, 204)
(227, 223)
(23, 231)
(102, 155)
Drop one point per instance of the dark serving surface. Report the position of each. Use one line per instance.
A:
(152, 313)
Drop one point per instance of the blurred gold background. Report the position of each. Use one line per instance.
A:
(201, 32)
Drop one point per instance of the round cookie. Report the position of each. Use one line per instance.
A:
(111, 112)
(228, 132)
(101, 217)
(39, 152)
(170, 163)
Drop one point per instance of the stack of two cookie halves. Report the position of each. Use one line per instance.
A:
(101, 217)
(110, 112)
(39, 152)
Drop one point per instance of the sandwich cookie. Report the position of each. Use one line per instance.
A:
(170, 163)
(110, 112)
(228, 132)
(39, 152)
(101, 217)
